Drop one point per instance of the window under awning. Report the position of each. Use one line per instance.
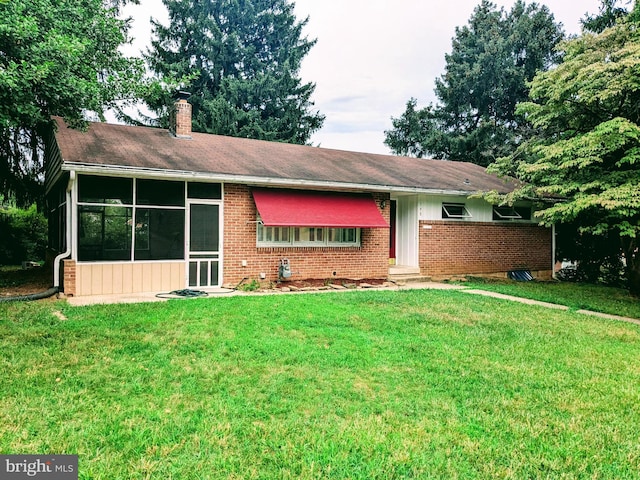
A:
(293, 208)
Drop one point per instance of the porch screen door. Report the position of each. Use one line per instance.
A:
(204, 245)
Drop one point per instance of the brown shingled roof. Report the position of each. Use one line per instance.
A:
(215, 156)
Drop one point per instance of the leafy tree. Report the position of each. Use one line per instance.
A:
(585, 157)
(240, 59)
(56, 58)
(492, 59)
(597, 255)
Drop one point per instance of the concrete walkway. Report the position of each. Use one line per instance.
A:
(223, 292)
(515, 299)
(139, 297)
(549, 305)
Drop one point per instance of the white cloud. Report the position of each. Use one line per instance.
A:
(371, 56)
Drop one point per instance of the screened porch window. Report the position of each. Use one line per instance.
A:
(127, 219)
(159, 234)
(105, 232)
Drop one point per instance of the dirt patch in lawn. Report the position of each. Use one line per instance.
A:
(17, 281)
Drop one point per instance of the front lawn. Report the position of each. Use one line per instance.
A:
(614, 301)
(359, 385)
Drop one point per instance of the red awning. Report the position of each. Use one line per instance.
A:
(293, 208)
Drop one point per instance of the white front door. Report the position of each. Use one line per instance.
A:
(407, 246)
(203, 245)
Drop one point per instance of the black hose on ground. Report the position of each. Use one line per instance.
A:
(31, 296)
(185, 293)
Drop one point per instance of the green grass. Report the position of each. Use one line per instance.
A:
(359, 385)
(615, 301)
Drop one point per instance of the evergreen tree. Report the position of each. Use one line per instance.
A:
(607, 16)
(240, 60)
(486, 75)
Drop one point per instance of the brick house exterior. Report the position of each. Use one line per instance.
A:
(370, 260)
(137, 209)
(496, 248)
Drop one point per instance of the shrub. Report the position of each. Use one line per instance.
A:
(252, 286)
(24, 235)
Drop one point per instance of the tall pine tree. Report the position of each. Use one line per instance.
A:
(240, 59)
(607, 17)
(486, 75)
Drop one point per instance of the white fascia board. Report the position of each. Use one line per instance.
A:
(116, 170)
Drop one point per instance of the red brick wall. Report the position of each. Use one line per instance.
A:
(181, 119)
(69, 277)
(370, 260)
(459, 248)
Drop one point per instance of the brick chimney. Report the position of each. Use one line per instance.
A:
(180, 120)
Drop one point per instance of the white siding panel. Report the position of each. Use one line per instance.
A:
(124, 278)
(407, 231)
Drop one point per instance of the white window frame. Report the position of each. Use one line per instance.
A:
(311, 232)
(518, 214)
(465, 212)
(511, 214)
(291, 237)
(267, 232)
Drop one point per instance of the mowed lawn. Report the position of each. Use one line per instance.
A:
(359, 385)
(597, 298)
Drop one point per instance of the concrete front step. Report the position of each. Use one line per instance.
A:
(403, 270)
(404, 279)
(403, 274)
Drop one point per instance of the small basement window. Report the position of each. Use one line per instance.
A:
(455, 210)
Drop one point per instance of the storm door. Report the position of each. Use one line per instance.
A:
(203, 263)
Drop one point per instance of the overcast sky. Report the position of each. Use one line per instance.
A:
(372, 56)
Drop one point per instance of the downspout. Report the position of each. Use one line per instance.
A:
(58, 260)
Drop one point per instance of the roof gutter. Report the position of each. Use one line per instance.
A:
(94, 169)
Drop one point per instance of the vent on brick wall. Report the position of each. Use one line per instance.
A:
(520, 275)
